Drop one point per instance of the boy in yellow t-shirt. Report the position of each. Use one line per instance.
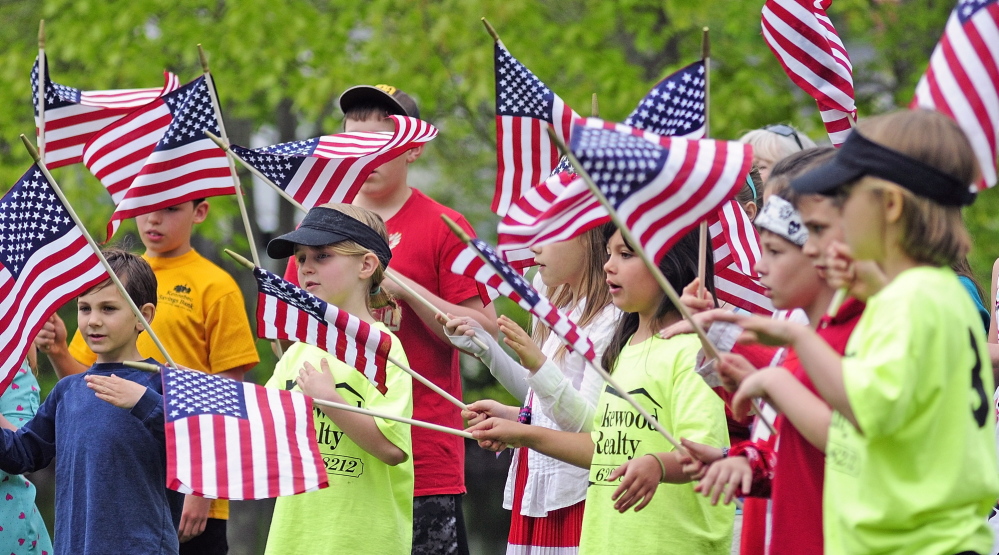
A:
(202, 323)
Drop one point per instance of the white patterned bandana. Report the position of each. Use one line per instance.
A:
(779, 217)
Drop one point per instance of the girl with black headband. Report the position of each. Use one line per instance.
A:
(342, 253)
(910, 455)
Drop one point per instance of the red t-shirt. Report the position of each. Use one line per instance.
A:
(423, 248)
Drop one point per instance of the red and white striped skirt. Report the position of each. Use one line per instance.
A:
(555, 534)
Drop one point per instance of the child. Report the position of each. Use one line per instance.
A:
(556, 388)
(202, 323)
(660, 374)
(111, 465)
(773, 143)
(911, 459)
(342, 253)
(423, 248)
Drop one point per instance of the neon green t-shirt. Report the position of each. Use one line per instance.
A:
(922, 476)
(659, 374)
(368, 506)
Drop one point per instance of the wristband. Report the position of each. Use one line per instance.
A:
(662, 467)
(724, 452)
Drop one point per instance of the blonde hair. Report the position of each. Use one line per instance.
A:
(377, 297)
(592, 287)
(769, 145)
(930, 233)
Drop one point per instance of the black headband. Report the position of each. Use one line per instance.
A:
(325, 226)
(859, 157)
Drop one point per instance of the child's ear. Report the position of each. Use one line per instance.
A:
(413, 153)
(201, 212)
(369, 263)
(148, 311)
(894, 201)
(751, 210)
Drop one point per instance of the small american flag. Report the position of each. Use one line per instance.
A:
(806, 44)
(675, 106)
(736, 249)
(962, 80)
(661, 187)
(558, 209)
(525, 109)
(44, 262)
(285, 311)
(480, 262)
(159, 156)
(332, 168)
(73, 116)
(237, 440)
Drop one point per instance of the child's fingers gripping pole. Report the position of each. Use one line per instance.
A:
(403, 419)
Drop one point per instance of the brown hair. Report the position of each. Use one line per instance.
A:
(364, 111)
(794, 165)
(592, 287)
(134, 273)
(752, 194)
(377, 297)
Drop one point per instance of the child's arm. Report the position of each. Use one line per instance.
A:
(142, 402)
(360, 428)
(805, 411)
(571, 447)
(511, 375)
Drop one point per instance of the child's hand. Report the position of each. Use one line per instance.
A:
(496, 434)
(517, 339)
(641, 478)
(861, 278)
(726, 476)
(757, 329)
(119, 392)
(458, 325)
(753, 387)
(700, 456)
(487, 408)
(732, 369)
(692, 299)
(703, 318)
(317, 384)
(52, 334)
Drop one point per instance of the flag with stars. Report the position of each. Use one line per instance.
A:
(480, 262)
(675, 106)
(525, 110)
(735, 246)
(806, 44)
(332, 168)
(44, 262)
(962, 80)
(238, 440)
(159, 156)
(73, 116)
(285, 311)
(661, 187)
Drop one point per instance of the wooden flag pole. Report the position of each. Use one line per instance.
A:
(416, 376)
(232, 165)
(224, 145)
(492, 32)
(40, 101)
(702, 253)
(93, 245)
(153, 368)
(594, 108)
(710, 349)
(603, 373)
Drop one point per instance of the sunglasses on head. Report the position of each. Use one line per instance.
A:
(785, 131)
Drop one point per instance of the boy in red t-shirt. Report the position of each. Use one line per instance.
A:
(422, 248)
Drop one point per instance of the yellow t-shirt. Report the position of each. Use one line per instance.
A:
(368, 506)
(659, 374)
(922, 476)
(201, 320)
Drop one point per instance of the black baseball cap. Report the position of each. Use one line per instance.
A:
(393, 99)
(325, 226)
(860, 156)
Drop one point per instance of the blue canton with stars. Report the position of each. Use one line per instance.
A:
(191, 107)
(56, 95)
(511, 276)
(675, 106)
(189, 393)
(619, 164)
(518, 92)
(272, 285)
(279, 168)
(31, 216)
(966, 9)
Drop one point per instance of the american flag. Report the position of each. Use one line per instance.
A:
(480, 262)
(736, 248)
(806, 44)
(661, 187)
(558, 209)
(159, 156)
(44, 262)
(285, 311)
(962, 79)
(675, 106)
(332, 168)
(525, 109)
(73, 116)
(237, 440)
